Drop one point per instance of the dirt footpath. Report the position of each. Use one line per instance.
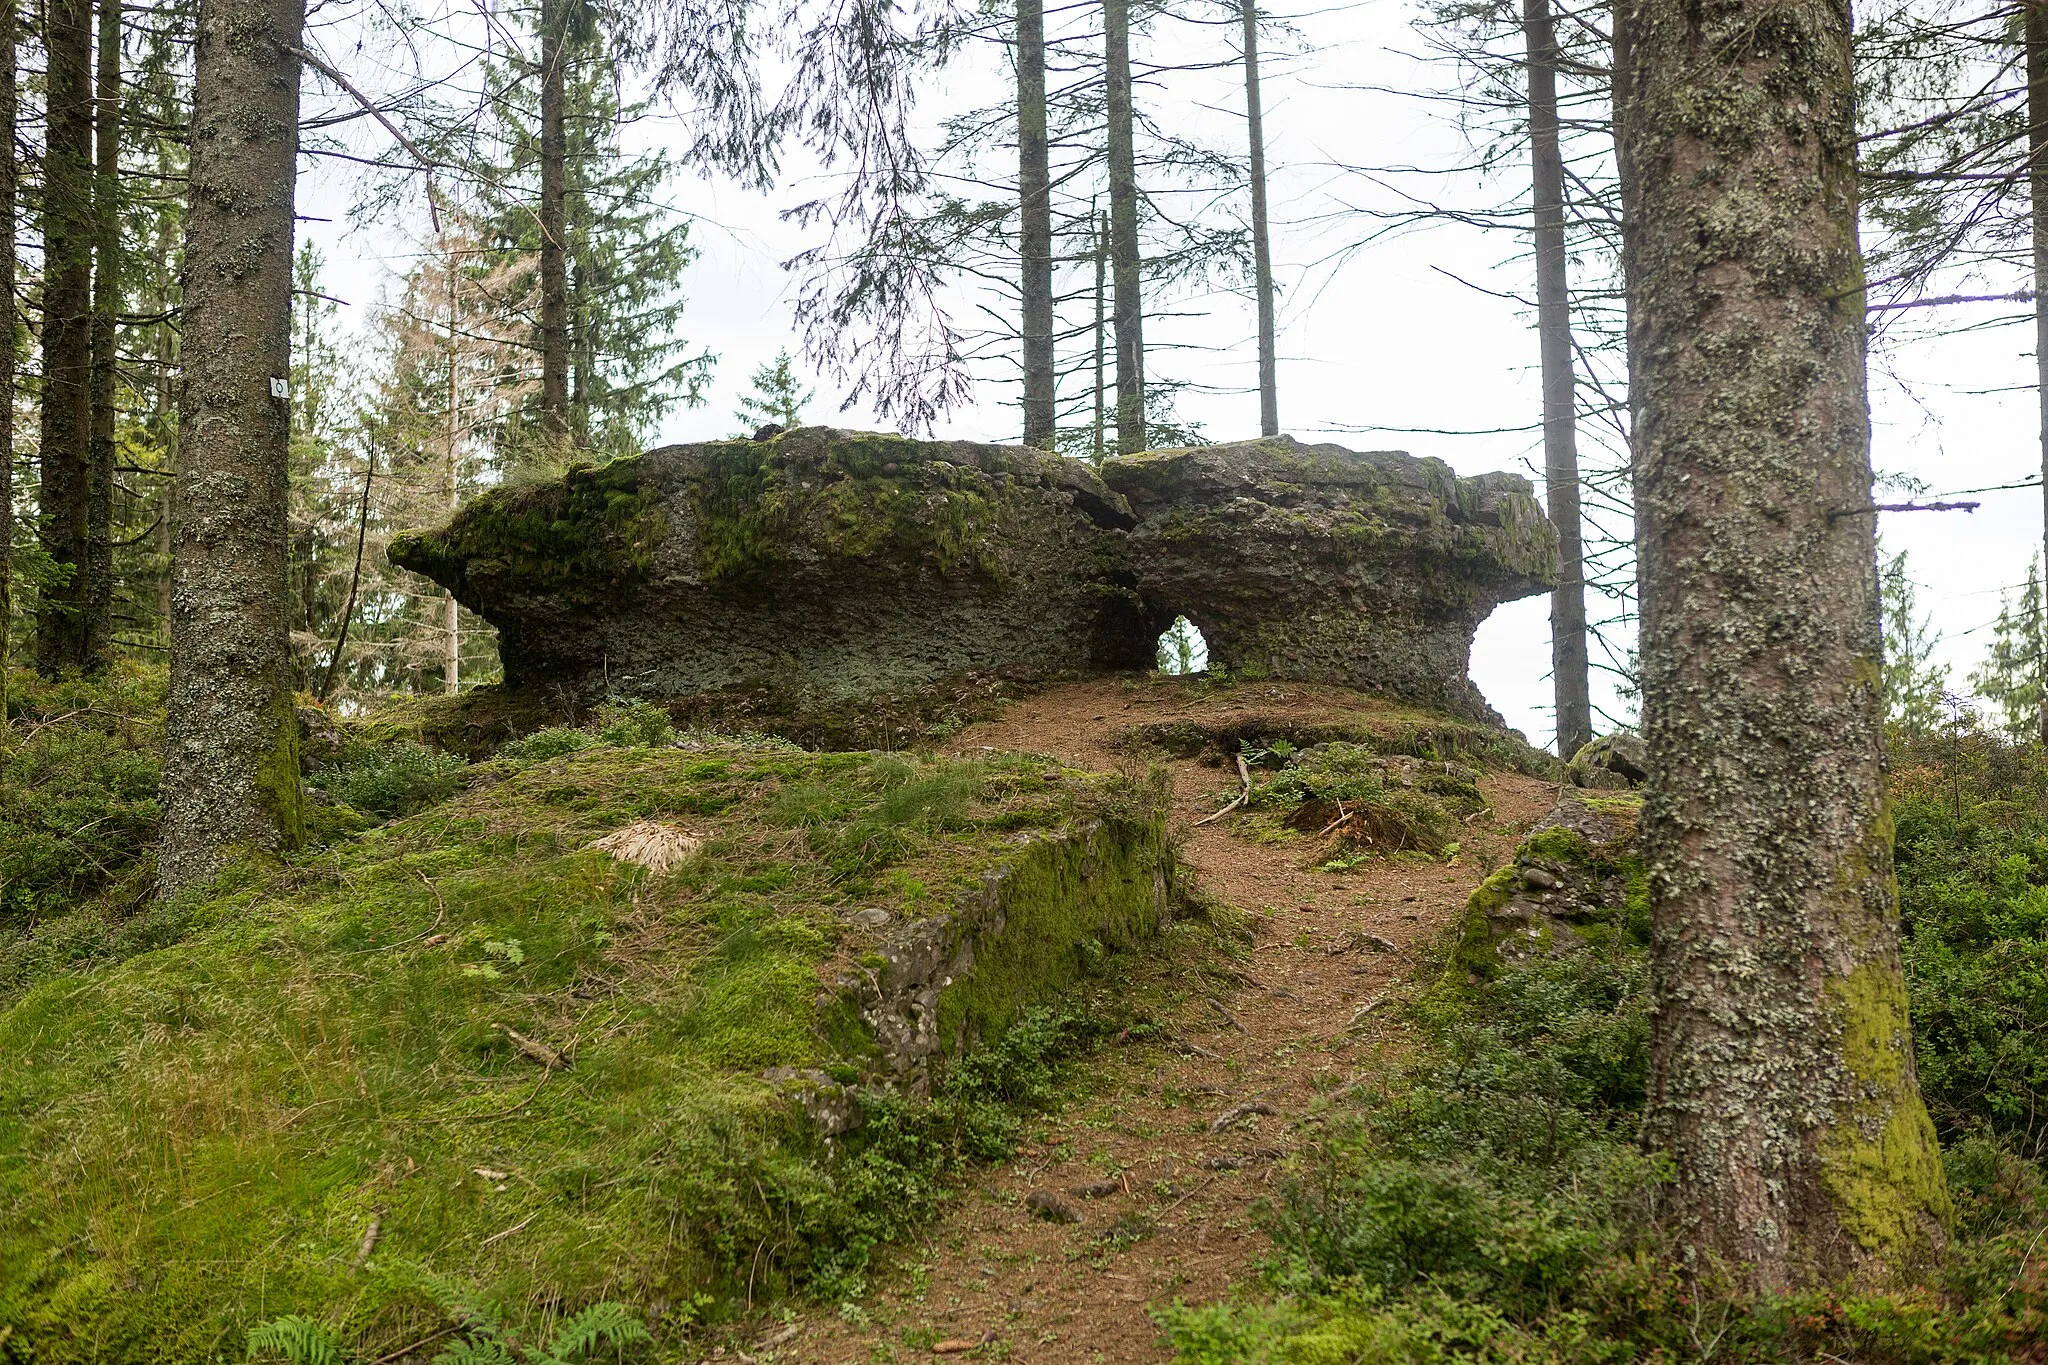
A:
(1172, 1144)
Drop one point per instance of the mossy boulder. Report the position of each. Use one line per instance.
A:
(1619, 760)
(1576, 882)
(826, 564)
(1371, 569)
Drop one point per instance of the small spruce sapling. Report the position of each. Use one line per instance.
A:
(778, 399)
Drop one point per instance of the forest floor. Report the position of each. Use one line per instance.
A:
(1162, 1151)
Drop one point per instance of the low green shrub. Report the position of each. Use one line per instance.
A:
(80, 760)
(390, 780)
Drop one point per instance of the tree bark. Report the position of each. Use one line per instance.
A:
(554, 255)
(1569, 682)
(231, 765)
(1100, 222)
(1127, 304)
(1782, 1084)
(106, 312)
(66, 434)
(2035, 29)
(1034, 236)
(1262, 245)
(10, 99)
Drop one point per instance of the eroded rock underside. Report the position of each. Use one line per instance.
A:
(833, 565)
(1369, 569)
(824, 562)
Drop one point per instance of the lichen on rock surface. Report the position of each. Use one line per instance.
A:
(1371, 569)
(826, 563)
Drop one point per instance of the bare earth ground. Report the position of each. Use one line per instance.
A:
(1164, 1197)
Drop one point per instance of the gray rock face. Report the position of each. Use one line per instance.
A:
(1370, 569)
(831, 564)
(834, 565)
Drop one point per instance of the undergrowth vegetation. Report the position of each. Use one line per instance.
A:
(1490, 1202)
(463, 1047)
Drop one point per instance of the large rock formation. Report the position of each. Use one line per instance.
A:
(1372, 569)
(832, 565)
(827, 563)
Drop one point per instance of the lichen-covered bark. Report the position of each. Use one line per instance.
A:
(1034, 228)
(97, 598)
(1783, 1083)
(66, 412)
(231, 773)
(1126, 266)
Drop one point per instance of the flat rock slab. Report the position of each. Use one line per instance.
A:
(830, 564)
(1370, 569)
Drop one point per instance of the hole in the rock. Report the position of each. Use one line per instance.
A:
(1182, 648)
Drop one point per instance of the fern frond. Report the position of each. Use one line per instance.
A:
(301, 1341)
(467, 1308)
(482, 1348)
(606, 1323)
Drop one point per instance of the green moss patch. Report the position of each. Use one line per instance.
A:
(337, 1078)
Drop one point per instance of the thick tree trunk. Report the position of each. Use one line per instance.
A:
(1262, 244)
(231, 764)
(1127, 304)
(106, 313)
(1783, 1083)
(1560, 404)
(10, 99)
(2036, 37)
(1034, 236)
(66, 436)
(554, 240)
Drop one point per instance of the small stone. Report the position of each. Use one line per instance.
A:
(1049, 1206)
(1100, 1189)
(871, 918)
(1543, 877)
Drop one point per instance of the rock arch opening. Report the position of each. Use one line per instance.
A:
(1182, 648)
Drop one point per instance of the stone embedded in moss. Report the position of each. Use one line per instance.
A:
(1616, 760)
(826, 564)
(1575, 882)
(1371, 569)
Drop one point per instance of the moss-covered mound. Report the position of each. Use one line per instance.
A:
(827, 564)
(469, 1048)
(1215, 724)
(1358, 803)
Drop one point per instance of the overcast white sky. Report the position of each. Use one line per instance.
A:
(1388, 339)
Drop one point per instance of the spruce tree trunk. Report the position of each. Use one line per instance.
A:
(1034, 236)
(1570, 685)
(106, 312)
(1100, 222)
(231, 763)
(2036, 37)
(554, 256)
(1127, 305)
(66, 435)
(1262, 245)
(1782, 1083)
(10, 100)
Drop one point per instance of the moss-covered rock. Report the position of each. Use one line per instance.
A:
(1575, 882)
(830, 564)
(1370, 569)
(1619, 760)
